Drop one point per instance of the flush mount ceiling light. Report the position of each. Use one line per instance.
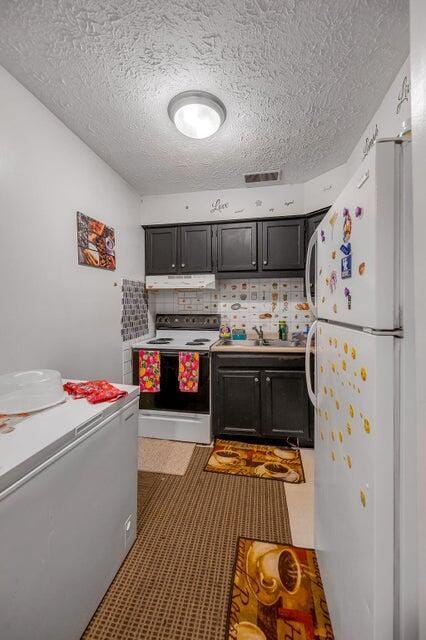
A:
(197, 114)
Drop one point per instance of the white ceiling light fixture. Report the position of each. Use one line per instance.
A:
(197, 114)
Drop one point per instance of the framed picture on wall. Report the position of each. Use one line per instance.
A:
(96, 243)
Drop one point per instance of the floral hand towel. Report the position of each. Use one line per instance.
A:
(189, 371)
(149, 371)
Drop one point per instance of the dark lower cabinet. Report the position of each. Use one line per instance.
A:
(263, 397)
(238, 402)
(285, 404)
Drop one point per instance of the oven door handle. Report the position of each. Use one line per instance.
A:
(176, 353)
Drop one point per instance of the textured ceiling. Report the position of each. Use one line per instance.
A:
(300, 79)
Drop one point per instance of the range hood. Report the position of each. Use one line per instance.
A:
(181, 281)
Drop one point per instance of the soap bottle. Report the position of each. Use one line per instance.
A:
(282, 330)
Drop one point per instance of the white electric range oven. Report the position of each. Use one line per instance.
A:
(172, 414)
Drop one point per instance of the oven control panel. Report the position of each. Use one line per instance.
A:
(192, 321)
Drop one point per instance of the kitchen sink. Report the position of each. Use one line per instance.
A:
(258, 343)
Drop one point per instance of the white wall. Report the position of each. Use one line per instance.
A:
(418, 56)
(55, 313)
(278, 200)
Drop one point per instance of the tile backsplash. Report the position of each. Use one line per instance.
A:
(261, 302)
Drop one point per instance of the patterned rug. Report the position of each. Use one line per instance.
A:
(175, 582)
(256, 460)
(277, 594)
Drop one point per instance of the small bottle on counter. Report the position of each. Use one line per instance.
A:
(282, 330)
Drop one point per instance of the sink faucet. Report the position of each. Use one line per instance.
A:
(259, 333)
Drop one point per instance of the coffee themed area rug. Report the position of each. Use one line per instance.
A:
(276, 594)
(257, 461)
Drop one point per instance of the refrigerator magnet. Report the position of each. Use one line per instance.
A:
(348, 297)
(333, 281)
(358, 212)
(347, 225)
(346, 267)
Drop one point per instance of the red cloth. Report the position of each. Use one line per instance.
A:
(189, 371)
(94, 391)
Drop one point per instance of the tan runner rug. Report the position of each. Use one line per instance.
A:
(255, 460)
(277, 594)
(164, 456)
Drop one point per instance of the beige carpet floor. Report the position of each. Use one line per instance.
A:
(175, 582)
(164, 456)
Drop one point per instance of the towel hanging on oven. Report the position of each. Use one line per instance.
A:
(189, 371)
(149, 371)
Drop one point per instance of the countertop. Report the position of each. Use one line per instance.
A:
(218, 347)
(46, 432)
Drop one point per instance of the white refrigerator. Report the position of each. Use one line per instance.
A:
(361, 267)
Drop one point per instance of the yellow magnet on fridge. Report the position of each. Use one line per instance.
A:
(363, 498)
(322, 435)
(363, 374)
(349, 461)
(331, 392)
(341, 436)
(351, 411)
(349, 428)
(333, 456)
(353, 353)
(367, 426)
(344, 366)
(345, 347)
(337, 405)
(333, 436)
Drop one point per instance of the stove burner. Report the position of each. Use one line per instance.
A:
(197, 343)
(160, 341)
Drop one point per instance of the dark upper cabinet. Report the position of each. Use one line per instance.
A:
(283, 244)
(311, 224)
(285, 404)
(195, 249)
(237, 395)
(236, 247)
(161, 245)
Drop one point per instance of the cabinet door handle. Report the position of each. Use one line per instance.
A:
(254, 263)
(256, 379)
(265, 262)
(268, 379)
(173, 266)
(183, 264)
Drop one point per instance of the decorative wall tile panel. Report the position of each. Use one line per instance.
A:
(134, 310)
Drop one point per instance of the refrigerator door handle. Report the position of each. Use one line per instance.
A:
(311, 392)
(311, 244)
